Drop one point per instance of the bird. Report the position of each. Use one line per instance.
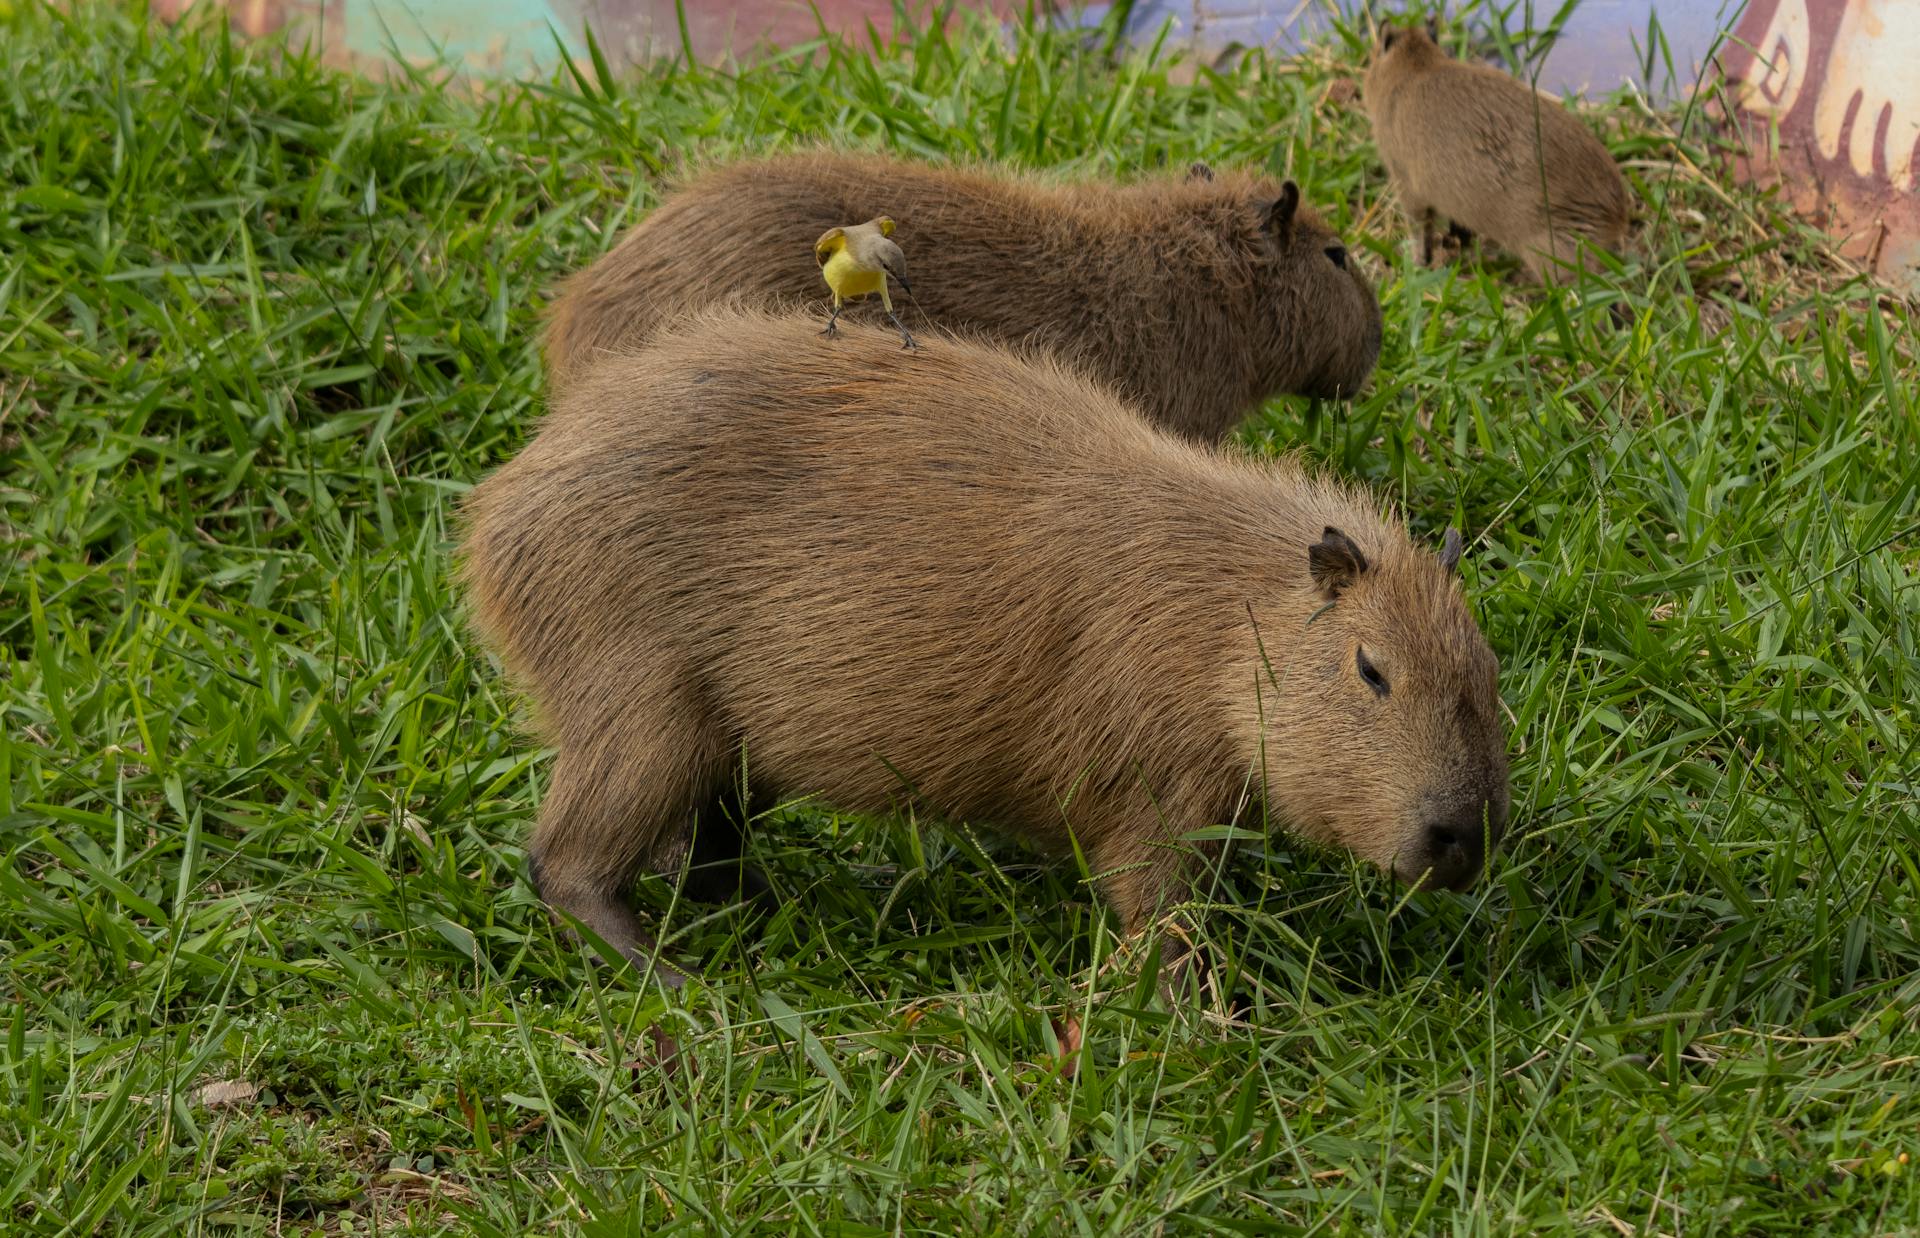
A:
(856, 261)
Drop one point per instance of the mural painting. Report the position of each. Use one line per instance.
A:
(1827, 92)
(1828, 99)
(526, 36)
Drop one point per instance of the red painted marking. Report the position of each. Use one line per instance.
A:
(1837, 80)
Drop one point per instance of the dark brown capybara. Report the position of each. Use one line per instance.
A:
(1197, 296)
(970, 580)
(1492, 155)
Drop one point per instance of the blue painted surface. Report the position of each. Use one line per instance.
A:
(1606, 43)
(495, 35)
(1602, 45)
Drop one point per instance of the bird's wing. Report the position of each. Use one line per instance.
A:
(824, 247)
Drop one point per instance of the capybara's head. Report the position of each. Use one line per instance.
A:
(1406, 41)
(1319, 308)
(1387, 728)
(1400, 52)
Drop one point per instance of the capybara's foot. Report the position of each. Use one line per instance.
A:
(642, 953)
(647, 956)
(599, 905)
(660, 1052)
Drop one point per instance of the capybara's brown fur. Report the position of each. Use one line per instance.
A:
(971, 580)
(1197, 296)
(1492, 155)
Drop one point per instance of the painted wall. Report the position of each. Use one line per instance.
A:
(1828, 90)
(1604, 42)
(526, 36)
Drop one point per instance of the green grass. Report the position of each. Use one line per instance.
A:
(262, 800)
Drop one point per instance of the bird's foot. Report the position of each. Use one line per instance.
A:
(831, 331)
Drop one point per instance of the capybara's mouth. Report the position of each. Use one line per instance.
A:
(1428, 875)
(1350, 385)
(1334, 389)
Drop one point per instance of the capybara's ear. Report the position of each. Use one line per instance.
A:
(1199, 172)
(1280, 214)
(1433, 26)
(1387, 36)
(1334, 562)
(1450, 547)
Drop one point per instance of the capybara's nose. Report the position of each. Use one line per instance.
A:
(1457, 845)
(1454, 855)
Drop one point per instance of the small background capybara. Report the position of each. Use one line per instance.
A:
(972, 581)
(1491, 155)
(1198, 296)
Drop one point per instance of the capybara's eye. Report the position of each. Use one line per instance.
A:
(1337, 254)
(1370, 673)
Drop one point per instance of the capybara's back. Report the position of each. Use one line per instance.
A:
(1198, 297)
(1491, 154)
(969, 580)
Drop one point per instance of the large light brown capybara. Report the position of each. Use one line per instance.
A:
(1198, 296)
(971, 580)
(1492, 155)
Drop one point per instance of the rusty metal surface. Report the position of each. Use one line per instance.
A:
(1828, 108)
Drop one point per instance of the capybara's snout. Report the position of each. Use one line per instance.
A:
(1451, 842)
(1350, 355)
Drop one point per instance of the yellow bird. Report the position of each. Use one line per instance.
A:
(856, 261)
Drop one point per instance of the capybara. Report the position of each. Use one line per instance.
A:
(1492, 155)
(1197, 296)
(971, 580)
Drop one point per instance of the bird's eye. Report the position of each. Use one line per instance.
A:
(1370, 673)
(1337, 254)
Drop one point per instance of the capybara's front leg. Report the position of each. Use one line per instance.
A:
(1144, 882)
(1557, 256)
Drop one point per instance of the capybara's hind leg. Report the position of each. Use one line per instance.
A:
(1457, 242)
(1420, 215)
(601, 826)
(717, 871)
